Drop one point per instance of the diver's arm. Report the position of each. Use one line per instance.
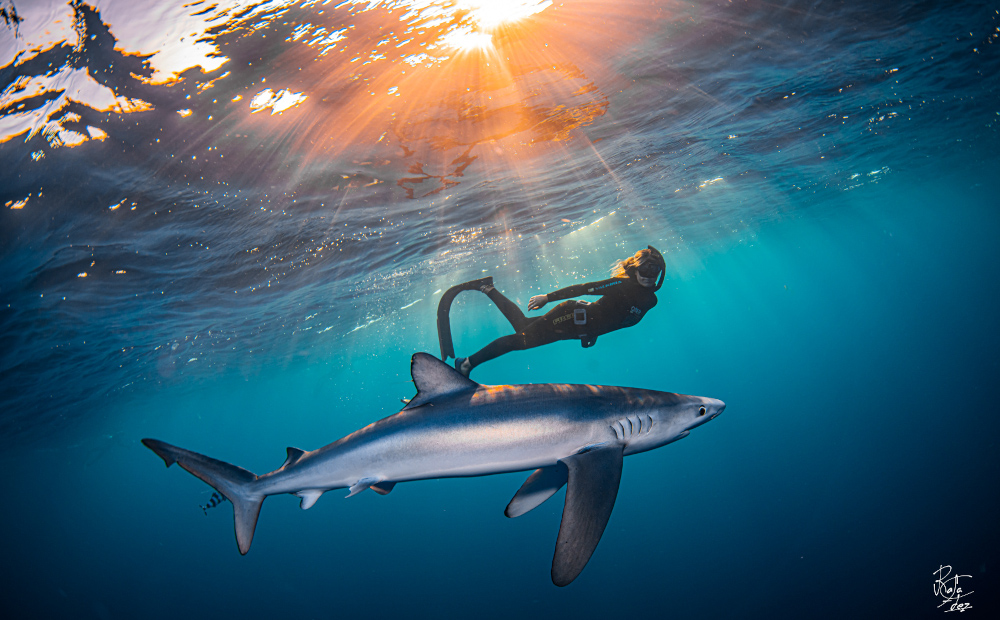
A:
(601, 287)
(537, 301)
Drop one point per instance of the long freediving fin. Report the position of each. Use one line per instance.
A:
(591, 491)
(540, 485)
(444, 312)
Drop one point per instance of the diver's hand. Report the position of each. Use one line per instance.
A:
(537, 302)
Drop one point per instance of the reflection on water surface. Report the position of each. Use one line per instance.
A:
(408, 91)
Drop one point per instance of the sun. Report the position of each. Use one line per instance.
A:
(491, 14)
(486, 16)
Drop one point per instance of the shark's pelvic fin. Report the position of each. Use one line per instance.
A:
(294, 454)
(539, 486)
(235, 483)
(383, 488)
(591, 490)
(363, 484)
(434, 379)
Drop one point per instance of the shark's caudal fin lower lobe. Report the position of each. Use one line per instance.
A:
(235, 483)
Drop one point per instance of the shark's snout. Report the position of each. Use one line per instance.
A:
(707, 409)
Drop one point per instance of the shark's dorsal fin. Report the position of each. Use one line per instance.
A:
(540, 485)
(294, 454)
(591, 491)
(433, 379)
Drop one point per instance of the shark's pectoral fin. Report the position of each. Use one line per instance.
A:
(539, 486)
(590, 496)
(383, 488)
(363, 484)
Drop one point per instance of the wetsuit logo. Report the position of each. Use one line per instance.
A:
(604, 286)
(634, 316)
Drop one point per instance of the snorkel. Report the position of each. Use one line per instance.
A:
(656, 257)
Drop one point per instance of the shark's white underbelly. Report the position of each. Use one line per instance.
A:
(460, 449)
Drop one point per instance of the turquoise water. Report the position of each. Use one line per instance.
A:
(833, 280)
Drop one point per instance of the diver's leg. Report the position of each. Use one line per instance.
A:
(509, 309)
(537, 332)
(503, 344)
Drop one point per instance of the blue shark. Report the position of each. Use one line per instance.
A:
(569, 435)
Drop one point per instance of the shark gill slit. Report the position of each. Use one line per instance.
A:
(637, 425)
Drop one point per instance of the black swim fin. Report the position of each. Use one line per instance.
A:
(444, 310)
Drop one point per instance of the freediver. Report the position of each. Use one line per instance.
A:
(626, 297)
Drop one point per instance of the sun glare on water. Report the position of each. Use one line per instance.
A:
(490, 14)
(486, 16)
(414, 91)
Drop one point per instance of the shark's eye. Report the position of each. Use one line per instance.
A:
(701, 412)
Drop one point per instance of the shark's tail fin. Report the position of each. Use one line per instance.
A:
(234, 482)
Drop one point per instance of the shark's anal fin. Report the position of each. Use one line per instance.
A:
(363, 484)
(294, 454)
(591, 491)
(309, 497)
(383, 488)
(539, 486)
(434, 379)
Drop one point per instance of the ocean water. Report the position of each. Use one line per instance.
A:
(227, 226)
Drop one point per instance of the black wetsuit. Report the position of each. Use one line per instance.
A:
(623, 303)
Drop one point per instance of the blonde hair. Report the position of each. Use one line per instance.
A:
(620, 268)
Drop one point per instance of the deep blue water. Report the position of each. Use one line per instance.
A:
(180, 263)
